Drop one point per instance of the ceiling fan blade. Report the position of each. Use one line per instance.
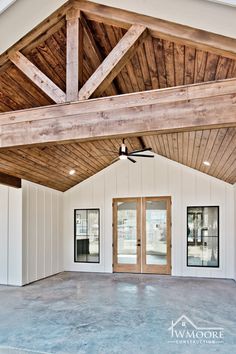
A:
(132, 160)
(142, 150)
(140, 155)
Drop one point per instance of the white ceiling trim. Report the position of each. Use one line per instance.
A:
(4, 4)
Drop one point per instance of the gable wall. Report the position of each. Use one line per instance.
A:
(24, 15)
(154, 177)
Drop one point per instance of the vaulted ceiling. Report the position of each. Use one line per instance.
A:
(157, 63)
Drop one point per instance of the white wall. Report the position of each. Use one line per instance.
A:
(42, 232)
(10, 236)
(154, 177)
(24, 15)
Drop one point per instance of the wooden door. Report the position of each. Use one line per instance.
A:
(142, 235)
(127, 235)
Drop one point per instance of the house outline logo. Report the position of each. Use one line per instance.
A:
(182, 334)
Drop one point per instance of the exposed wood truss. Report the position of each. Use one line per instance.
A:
(101, 78)
(76, 50)
(10, 181)
(171, 87)
(114, 62)
(202, 106)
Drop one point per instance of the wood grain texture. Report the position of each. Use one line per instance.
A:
(38, 77)
(10, 181)
(158, 63)
(113, 63)
(193, 107)
(158, 28)
(216, 146)
(170, 55)
(74, 54)
(50, 165)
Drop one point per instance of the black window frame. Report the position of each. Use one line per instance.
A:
(218, 244)
(99, 233)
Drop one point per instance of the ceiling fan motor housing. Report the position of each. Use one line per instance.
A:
(123, 150)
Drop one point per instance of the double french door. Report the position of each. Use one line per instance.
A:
(142, 235)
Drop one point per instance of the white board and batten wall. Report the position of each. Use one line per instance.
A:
(42, 232)
(153, 177)
(30, 233)
(37, 223)
(10, 236)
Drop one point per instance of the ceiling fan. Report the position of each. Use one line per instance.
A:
(124, 154)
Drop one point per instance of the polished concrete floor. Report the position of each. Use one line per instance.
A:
(120, 313)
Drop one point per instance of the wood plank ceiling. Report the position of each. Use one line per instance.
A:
(157, 63)
(50, 165)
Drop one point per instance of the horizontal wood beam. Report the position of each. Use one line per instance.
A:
(194, 37)
(38, 77)
(10, 181)
(114, 63)
(185, 108)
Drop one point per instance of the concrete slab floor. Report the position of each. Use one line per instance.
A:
(86, 313)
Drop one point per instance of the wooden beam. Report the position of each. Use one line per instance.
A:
(185, 108)
(186, 35)
(10, 181)
(41, 31)
(38, 77)
(113, 63)
(95, 55)
(74, 54)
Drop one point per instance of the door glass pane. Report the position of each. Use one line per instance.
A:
(156, 240)
(127, 232)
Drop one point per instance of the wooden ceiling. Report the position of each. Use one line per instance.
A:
(216, 146)
(156, 63)
(50, 165)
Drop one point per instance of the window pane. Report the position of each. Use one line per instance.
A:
(202, 236)
(87, 235)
